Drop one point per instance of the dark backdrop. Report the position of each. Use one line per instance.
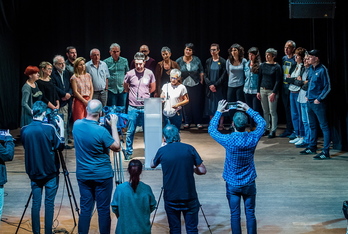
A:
(34, 31)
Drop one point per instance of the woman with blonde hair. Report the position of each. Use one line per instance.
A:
(46, 85)
(82, 86)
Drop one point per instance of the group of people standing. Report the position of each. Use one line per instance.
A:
(81, 89)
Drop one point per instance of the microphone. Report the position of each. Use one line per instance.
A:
(141, 98)
(167, 91)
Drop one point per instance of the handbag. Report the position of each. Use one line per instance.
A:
(345, 209)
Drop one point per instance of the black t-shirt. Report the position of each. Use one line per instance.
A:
(178, 161)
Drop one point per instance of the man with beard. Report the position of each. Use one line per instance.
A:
(71, 55)
(61, 79)
(139, 82)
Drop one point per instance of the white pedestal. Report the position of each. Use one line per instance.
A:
(152, 129)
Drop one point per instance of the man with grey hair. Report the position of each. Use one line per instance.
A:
(239, 169)
(288, 66)
(163, 69)
(93, 166)
(139, 82)
(99, 72)
(118, 67)
(61, 79)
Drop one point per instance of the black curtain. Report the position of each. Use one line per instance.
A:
(35, 31)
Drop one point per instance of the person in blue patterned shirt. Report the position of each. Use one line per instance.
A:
(239, 169)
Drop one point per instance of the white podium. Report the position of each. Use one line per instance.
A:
(152, 128)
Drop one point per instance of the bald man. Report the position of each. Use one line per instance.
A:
(150, 63)
(93, 166)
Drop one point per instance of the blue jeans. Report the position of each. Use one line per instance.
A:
(286, 102)
(295, 108)
(136, 118)
(176, 120)
(117, 99)
(92, 191)
(1, 200)
(317, 113)
(189, 209)
(51, 188)
(234, 194)
(307, 129)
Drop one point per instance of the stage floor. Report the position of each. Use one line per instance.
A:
(295, 194)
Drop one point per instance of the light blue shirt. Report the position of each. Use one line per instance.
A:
(99, 74)
(236, 74)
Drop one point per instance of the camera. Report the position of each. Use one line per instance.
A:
(232, 105)
(117, 110)
(5, 135)
(52, 118)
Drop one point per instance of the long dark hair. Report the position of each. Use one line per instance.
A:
(135, 168)
(240, 53)
(257, 61)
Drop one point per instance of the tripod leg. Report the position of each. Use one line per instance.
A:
(69, 188)
(25, 209)
(159, 199)
(205, 218)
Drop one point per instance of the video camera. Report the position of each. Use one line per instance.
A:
(5, 135)
(52, 118)
(117, 110)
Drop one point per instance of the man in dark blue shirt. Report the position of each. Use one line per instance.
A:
(239, 170)
(179, 161)
(318, 89)
(41, 142)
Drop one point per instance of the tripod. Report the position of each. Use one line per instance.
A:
(118, 168)
(159, 199)
(69, 190)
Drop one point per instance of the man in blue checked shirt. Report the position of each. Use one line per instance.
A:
(239, 169)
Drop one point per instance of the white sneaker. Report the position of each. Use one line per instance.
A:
(294, 140)
(299, 142)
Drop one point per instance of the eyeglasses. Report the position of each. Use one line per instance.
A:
(49, 69)
(144, 51)
(174, 78)
(213, 50)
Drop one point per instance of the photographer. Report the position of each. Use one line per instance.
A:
(93, 166)
(6, 154)
(179, 162)
(239, 170)
(41, 142)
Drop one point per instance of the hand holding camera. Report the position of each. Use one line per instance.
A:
(242, 106)
(113, 120)
(222, 106)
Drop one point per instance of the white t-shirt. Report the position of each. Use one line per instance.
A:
(172, 96)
